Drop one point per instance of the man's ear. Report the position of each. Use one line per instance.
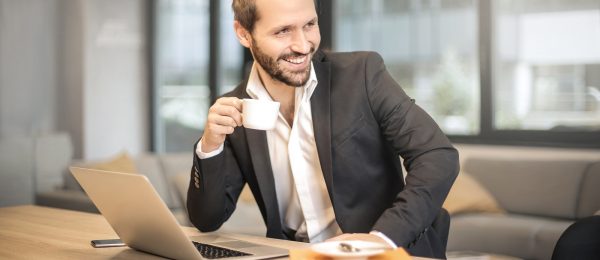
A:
(242, 34)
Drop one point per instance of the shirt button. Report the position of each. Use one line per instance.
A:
(197, 185)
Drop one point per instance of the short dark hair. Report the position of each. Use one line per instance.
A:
(244, 11)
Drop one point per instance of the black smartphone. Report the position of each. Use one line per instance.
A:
(107, 243)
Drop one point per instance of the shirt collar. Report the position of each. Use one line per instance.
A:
(257, 90)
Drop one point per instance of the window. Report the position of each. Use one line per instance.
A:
(187, 77)
(547, 62)
(430, 48)
(524, 72)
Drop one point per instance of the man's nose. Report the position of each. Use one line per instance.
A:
(300, 42)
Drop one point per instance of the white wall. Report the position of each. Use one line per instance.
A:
(77, 66)
(116, 89)
(27, 67)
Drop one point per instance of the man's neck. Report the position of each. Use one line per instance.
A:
(281, 93)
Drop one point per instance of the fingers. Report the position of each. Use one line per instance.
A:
(227, 107)
(360, 236)
(341, 237)
(216, 129)
(223, 117)
(222, 120)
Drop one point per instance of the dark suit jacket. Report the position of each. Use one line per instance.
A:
(362, 122)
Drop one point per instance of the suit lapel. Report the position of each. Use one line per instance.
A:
(259, 154)
(321, 113)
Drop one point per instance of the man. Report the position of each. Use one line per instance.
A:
(330, 168)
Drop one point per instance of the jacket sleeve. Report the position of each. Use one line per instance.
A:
(429, 158)
(214, 188)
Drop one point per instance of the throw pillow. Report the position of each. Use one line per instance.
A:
(120, 163)
(468, 195)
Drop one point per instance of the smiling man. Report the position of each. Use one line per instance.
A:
(330, 168)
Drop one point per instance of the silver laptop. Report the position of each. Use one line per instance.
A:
(138, 215)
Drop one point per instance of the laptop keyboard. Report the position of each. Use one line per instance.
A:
(215, 252)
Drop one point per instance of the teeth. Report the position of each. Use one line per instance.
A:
(296, 60)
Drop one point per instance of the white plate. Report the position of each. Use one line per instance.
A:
(332, 249)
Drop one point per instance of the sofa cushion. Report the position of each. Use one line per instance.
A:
(508, 234)
(53, 154)
(589, 197)
(468, 195)
(16, 171)
(547, 236)
(176, 163)
(535, 187)
(149, 165)
(172, 165)
(181, 182)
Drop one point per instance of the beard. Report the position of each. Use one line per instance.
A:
(271, 66)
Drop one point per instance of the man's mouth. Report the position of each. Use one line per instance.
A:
(296, 60)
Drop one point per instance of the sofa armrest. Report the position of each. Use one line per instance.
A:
(66, 199)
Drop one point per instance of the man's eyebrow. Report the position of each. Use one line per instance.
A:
(288, 26)
(279, 28)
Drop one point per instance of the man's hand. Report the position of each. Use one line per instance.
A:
(362, 237)
(223, 117)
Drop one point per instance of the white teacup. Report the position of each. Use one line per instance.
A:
(259, 114)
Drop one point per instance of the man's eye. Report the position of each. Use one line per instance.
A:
(283, 31)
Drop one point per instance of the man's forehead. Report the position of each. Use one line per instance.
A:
(280, 12)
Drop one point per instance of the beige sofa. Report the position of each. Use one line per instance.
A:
(541, 197)
(32, 164)
(169, 174)
(160, 170)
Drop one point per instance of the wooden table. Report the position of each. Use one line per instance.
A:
(34, 232)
